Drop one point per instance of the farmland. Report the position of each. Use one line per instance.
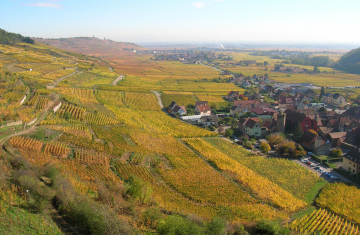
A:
(97, 136)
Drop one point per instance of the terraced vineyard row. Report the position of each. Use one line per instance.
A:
(323, 222)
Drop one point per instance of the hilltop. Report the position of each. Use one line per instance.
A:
(12, 38)
(350, 62)
(89, 45)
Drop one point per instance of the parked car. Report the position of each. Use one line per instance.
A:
(312, 165)
(304, 160)
(333, 177)
(317, 168)
(308, 163)
(310, 153)
(329, 175)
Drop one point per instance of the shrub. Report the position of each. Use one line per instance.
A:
(271, 228)
(178, 225)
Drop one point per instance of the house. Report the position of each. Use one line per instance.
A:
(310, 141)
(209, 120)
(262, 85)
(237, 110)
(181, 110)
(233, 95)
(172, 105)
(202, 108)
(267, 80)
(249, 104)
(263, 112)
(351, 161)
(252, 127)
(353, 112)
(293, 117)
(246, 84)
(336, 138)
(327, 98)
(310, 93)
(279, 93)
(301, 98)
(338, 100)
(324, 131)
(269, 89)
(269, 126)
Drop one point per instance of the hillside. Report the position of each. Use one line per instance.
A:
(350, 62)
(85, 146)
(88, 45)
(12, 38)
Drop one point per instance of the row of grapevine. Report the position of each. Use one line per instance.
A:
(100, 119)
(57, 149)
(323, 222)
(90, 157)
(74, 111)
(26, 143)
(43, 102)
(75, 129)
(259, 185)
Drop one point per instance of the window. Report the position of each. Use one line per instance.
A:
(354, 165)
(349, 168)
(354, 171)
(256, 133)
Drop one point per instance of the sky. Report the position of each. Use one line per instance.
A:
(139, 21)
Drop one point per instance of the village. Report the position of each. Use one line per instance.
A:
(286, 120)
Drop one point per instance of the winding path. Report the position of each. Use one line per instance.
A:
(158, 96)
(34, 127)
(118, 79)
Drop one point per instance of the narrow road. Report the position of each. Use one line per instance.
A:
(33, 127)
(111, 69)
(158, 96)
(117, 79)
(62, 78)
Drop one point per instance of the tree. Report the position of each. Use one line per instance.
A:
(322, 109)
(265, 147)
(217, 226)
(336, 153)
(214, 106)
(229, 132)
(138, 189)
(266, 63)
(315, 101)
(275, 139)
(298, 132)
(322, 92)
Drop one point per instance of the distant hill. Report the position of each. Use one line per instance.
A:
(13, 38)
(350, 62)
(89, 45)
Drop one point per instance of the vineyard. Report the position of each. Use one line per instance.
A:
(58, 74)
(157, 122)
(178, 98)
(76, 79)
(26, 143)
(72, 110)
(341, 199)
(262, 187)
(170, 200)
(57, 149)
(285, 173)
(89, 157)
(43, 102)
(100, 119)
(323, 222)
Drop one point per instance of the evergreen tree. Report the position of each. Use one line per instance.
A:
(298, 132)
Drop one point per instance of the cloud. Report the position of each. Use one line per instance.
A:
(204, 4)
(45, 4)
(199, 4)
